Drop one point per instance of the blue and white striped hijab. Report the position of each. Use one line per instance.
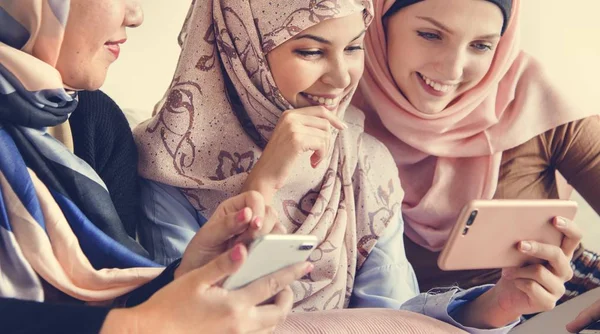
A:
(57, 221)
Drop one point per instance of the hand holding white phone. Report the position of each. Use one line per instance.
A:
(269, 254)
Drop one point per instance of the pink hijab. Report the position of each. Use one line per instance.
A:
(449, 158)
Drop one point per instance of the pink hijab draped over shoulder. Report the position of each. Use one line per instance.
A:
(449, 158)
(219, 113)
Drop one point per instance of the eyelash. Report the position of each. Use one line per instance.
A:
(315, 53)
(481, 47)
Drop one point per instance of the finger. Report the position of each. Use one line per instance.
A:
(538, 297)
(572, 232)
(270, 285)
(263, 226)
(279, 229)
(322, 112)
(558, 261)
(540, 274)
(317, 123)
(222, 266)
(250, 199)
(220, 229)
(269, 316)
(586, 317)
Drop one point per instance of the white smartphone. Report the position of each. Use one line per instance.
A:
(487, 232)
(270, 253)
(593, 328)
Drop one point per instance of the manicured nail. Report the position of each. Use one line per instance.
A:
(258, 223)
(309, 268)
(561, 222)
(236, 253)
(241, 216)
(526, 246)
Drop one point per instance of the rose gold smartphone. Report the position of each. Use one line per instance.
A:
(487, 232)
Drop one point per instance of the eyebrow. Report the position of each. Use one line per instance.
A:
(448, 30)
(326, 41)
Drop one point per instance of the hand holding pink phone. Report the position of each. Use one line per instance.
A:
(488, 232)
(536, 285)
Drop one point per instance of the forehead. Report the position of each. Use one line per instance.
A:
(478, 16)
(343, 29)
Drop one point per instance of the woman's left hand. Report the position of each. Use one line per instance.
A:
(529, 289)
(537, 287)
(238, 219)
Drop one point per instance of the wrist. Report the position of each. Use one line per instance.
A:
(262, 185)
(485, 312)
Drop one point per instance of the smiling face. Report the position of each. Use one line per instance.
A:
(321, 65)
(440, 49)
(95, 29)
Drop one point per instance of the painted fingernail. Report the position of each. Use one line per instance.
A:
(258, 223)
(309, 268)
(241, 216)
(236, 253)
(561, 222)
(526, 246)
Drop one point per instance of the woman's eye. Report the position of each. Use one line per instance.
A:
(354, 48)
(482, 47)
(429, 35)
(309, 53)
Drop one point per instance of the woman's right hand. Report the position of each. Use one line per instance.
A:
(297, 132)
(195, 303)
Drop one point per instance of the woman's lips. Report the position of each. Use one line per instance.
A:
(114, 47)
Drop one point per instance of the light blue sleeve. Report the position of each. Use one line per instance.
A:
(387, 280)
(169, 221)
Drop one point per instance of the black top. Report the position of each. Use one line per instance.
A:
(102, 137)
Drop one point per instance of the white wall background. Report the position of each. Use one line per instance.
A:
(565, 36)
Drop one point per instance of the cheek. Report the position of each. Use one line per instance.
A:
(294, 76)
(478, 68)
(356, 70)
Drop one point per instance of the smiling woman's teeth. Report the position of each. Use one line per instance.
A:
(322, 100)
(437, 86)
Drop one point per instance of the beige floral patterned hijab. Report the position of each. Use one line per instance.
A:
(219, 113)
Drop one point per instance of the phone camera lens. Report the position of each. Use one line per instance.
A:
(305, 247)
(472, 218)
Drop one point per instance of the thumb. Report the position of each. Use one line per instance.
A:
(222, 266)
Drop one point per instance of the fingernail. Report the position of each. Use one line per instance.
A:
(241, 216)
(309, 268)
(258, 223)
(236, 253)
(345, 125)
(525, 246)
(561, 222)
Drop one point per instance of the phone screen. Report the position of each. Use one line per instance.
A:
(593, 328)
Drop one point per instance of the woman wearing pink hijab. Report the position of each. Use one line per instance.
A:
(468, 115)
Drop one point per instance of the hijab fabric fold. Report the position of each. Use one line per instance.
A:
(449, 158)
(57, 221)
(219, 113)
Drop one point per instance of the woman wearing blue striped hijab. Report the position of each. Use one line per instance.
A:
(61, 236)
